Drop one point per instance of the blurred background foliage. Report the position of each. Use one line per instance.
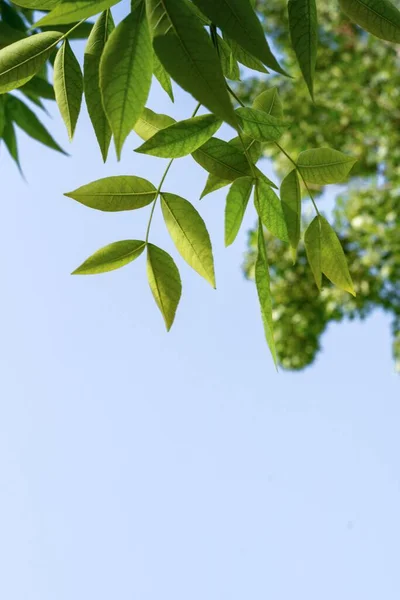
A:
(357, 110)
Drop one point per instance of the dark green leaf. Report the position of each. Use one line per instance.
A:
(126, 69)
(379, 17)
(230, 67)
(303, 24)
(162, 77)
(262, 278)
(236, 204)
(291, 204)
(91, 74)
(68, 86)
(37, 4)
(182, 138)
(111, 257)
(165, 282)
(270, 210)
(70, 11)
(80, 32)
(323, 165)
(189, 234)
(186, 52)
(122, 192)
(259, 125)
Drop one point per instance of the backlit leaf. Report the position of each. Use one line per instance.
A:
(323, 165)
(303, 24)
(126, 69)
(230, 67)
(262, 279)
(10, 141)
(236, 204)
(122, 192)
(291, 204)
(20, 61)
(69, 11)
(37, 86)
(222, 159)
(239, 21)
(182, 138)
(189, 234)
(379, 17)
(150, 123)
(333, 259)
(270, 210)
(165, 282)
(162, 77)
(259, 125)
(312, 241)
(111, 257)
(186, 52)
(269, 102)
(68, 86)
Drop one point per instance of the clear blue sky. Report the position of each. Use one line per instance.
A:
(140, 465)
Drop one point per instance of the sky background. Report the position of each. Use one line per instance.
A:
(141, 465)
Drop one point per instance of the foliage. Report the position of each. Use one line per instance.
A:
(366, 215)
(198, 44)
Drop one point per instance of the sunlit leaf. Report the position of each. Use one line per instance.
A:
(269, 102)
(69, 11)
(222, 159)
(165, 282)
(150, 123)
(189, 234)
(122, 192)
(312, 241)
(291, 204)
(111, 257)
(68, 86)
(270, 210)
(162, 77)
(303, 24)
(236, 204)
(230, 67)
(262, 279)
(37, 4)
(259, 125)
(323, 165)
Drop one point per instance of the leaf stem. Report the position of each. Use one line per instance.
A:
(301, 175)
(161, 184)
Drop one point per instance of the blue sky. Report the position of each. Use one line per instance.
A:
(141, 465)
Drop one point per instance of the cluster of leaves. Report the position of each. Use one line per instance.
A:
(198, 44)
(366, 215)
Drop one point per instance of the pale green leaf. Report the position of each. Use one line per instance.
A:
(222, 159)
(182, 138)
(186, 52)
(122, 192)
(20, 61)
(303, 25)
(162, 77)
(189, 234)
(165, 282)
(37, 4)
(111, 257)
(269, 102)
(236, 204)
(379, 17)
(270, 210)
(22, 115)
(259, 125)
(69, 11)
(91, 73)
(333, 259)
(291, 204)
(150, 123)
(239, 21)
(323, 165)
(230, 67)
(126, 69)
(312, 241)
(68, 86)
(244, 57)
(262, 279)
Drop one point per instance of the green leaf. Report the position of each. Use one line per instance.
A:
(236, 204)
(333, 260)
(68, 86)
(269, 102)
(303, 25)
(262, 278)
(9, 35)
(379, 17)
(222, 159)
(291, 204)
(22, 115)
(259, 125)
(244, 57)
(111, 257)
(239, 21)
(122, 192)
(37, 86)
(91, 75)
(312, 241)
(37, 4)
(182, 138)
(20, 61)
(10, 141)
(230, 67)
(126, 69)
(165, 282)
(162, 77)
(150, 123)
(69, 11)
(189, 234)
(80, 31)
(186, 52)
(323, 165)
(270, 210)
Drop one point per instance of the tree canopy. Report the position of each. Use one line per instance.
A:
(329, 112)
